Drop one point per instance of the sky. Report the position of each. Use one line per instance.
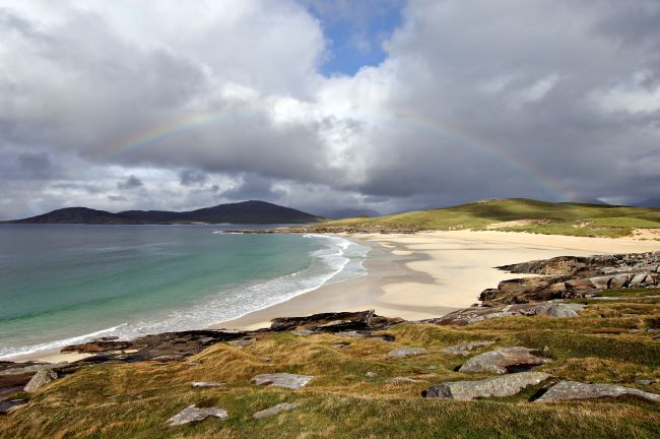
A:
(387, 105)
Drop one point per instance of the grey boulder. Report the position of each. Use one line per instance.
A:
(504, 360)
(407, 352)
(285, 380)
(40, 379)
(499, 387)
(569, 390)
(195, 414)
(204, 384)
(279, 408)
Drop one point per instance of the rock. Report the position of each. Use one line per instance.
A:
(40, 379)
(275, 410)
(370, 375)
(644, 382)
(285, 380)
(11, 405)
(98, 346)
(204, 384)
(302, 332)
(560, 311)
(570, 390)
(325, 322)
(366, 334)
(399, 380)
(266, 359)
(241, 342)
(619, 281)
(342, 345)
(407, 352)
(464, 349)
(504, 360)
(498, 387)
(195, 414)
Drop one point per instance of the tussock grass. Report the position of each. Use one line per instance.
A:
(135, 400)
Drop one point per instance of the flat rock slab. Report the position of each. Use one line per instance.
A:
(498, 387)
(9, 406)
(569, 390)
(204, 384)
(40, 379)
(407, 352)
(195, 414)
(464, 349)
(504, 360)
(285, 380)
(279, 408)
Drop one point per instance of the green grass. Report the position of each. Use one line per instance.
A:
(543, 217)
(607, 344)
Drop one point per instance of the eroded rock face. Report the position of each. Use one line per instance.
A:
(195, 414)
(279, 408)
(40, 379)
(504, 360)
(407, 352)
(468, 316)
(570, 390)
(499, 387)
(465, 349)
(285, 380)
(335, 322)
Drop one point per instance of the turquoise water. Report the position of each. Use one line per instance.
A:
(66, 284)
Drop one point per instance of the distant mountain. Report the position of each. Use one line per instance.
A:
(351, 213)
(247, 212)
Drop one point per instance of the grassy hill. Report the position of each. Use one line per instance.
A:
(520, 215)
(608, 343)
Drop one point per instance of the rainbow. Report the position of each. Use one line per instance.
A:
(180, 126)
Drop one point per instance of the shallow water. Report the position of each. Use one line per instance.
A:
(63, 284)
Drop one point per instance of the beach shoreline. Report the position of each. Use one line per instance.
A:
(430, 274)
(420, 276)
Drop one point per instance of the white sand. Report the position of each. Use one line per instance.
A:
(431, 273)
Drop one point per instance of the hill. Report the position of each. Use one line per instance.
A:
(247, 212)
(516, 215)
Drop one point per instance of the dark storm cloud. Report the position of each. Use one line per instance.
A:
(130, 183)
(549, 99)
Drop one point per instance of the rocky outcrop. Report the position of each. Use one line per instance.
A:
(504, 360)
(284, 380)
(498, 387)
(407, 352)
(468, 316)
(195, 414)
(40, 379)
(465, 349)
(205, 384)
(335, 322)
(279, 408)
(571, 390)
(570, 277)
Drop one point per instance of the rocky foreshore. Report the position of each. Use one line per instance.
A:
(548, 294)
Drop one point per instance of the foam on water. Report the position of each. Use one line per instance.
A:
(338, 260)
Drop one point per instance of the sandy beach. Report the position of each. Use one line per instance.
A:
(429, 274)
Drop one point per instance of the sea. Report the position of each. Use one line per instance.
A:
(67, 284)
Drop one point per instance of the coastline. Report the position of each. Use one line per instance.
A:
(422, 275)
(430, 274)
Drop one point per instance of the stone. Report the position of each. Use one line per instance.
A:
(195, 414)
(326, 322)
(371, 375)
(266, 359)
(302, 332)
(279, 408)
(204, 384)
(366, 334)
(399, 380)
(342, 345)
(40, 379)
(497, 387)
(619, 281)
(559, 311)
(570, 390)
(11, 405)
(465, 348)
(644, 382)
(407, 352)
(504, 360)
(285, 380)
